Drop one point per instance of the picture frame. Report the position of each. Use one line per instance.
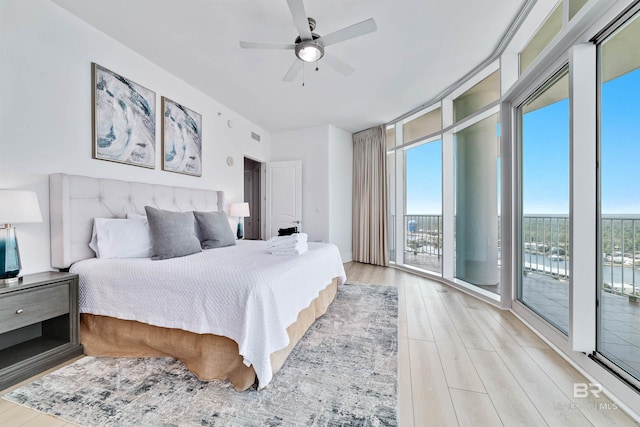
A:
(181, 139)
(124, 119)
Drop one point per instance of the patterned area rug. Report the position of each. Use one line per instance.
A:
(343, 372)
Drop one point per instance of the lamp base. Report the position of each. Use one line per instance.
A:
(9, 256)
(240, 232)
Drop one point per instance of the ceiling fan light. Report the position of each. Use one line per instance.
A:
(309, 51)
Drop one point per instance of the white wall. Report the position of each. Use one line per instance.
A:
(327, 157)
(45, 114)
(341, 190)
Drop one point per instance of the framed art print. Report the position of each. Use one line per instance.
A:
(124, 119)
(181, 139)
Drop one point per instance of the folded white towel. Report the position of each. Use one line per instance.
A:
(298, 237)
(289, 246)
(294, 244)
(297, 251)
(280, 241)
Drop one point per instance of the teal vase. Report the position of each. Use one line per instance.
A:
(9, 255)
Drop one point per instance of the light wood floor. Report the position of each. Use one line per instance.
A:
(461, 362)
(464, 362)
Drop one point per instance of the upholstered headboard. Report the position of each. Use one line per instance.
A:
(74, 201)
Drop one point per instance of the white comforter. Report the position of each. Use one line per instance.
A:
(241, 292)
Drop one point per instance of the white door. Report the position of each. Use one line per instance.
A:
(284, 196)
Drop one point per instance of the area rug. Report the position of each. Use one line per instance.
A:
(343, 372)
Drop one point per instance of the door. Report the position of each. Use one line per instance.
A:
(252, 190)
(545, 231)
(284, 196)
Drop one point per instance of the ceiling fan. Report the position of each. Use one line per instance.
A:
(309, 46)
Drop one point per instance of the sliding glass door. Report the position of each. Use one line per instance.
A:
(618, 333)
(423, 219)
(544, 205)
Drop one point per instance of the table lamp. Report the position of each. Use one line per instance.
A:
(241, 210)
(16, 207)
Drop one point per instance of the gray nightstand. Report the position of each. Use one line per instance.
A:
(39, 325)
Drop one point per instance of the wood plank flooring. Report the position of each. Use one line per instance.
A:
(462, 362)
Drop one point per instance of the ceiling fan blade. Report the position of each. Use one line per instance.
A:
(293, 71)
(266, 45)
(300, 19)
(353, 31)
(338, 65)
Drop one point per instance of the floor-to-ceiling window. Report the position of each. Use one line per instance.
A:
(476, 204)
(423, 219)
(618, 333)
(544, 203)
(556, 262)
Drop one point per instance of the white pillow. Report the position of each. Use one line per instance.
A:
(136, 216)
(121, 238)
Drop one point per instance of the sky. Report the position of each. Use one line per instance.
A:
(424, 179)
(546, 154)
(621, 144)
(545, 159)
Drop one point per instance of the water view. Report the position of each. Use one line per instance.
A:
(545, 250)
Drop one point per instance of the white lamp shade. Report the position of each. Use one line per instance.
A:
(17, 207)
(240, 210)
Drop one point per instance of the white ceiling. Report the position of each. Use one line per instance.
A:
(420, 48)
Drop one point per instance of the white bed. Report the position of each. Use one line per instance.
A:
(239, 292)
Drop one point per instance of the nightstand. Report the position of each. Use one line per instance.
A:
(39, 325)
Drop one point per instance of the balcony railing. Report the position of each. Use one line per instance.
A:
(423, 242)
(424, 234)
(546, 247)
(621, 254)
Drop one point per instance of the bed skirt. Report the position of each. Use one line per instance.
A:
(208, 356)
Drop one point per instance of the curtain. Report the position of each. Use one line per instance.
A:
(370, 216)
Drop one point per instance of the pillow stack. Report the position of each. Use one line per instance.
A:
(121, 238)
(160, 234)
(294, 244)
(215, 231)
(172, 233)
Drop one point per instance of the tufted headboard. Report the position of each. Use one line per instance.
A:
(74, 201)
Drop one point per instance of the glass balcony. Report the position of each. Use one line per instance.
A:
(545, 262)
(545, 253)
(621, 256)
(423, 246)
(546, 245)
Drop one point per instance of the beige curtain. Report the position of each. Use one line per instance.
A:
(370, 217)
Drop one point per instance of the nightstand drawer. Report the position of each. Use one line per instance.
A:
(32, 306)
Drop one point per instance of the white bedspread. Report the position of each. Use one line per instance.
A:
(241, 292)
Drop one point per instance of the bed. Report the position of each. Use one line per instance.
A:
(232, 313)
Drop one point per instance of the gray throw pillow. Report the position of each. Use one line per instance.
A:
(172, 233)
(215, 231)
